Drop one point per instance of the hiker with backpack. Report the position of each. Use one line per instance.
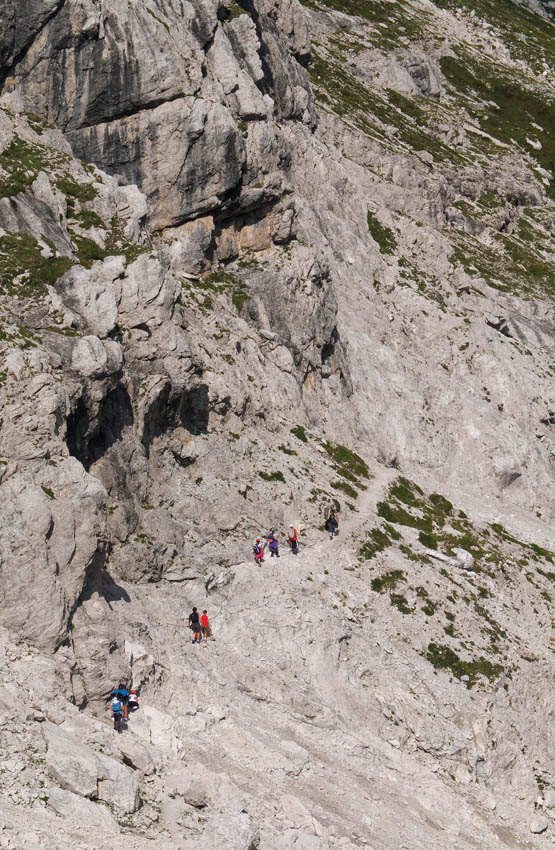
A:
(117, 711)
(293, 539)
(194, 625)
(123, 695)
(258, 551)
(332, 523)
(273, 543)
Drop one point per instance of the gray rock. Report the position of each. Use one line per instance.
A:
(89, 294)
(539, 824)
(71, 764)
(95, 359)
(83, 812)
(117, 785)
(232, 832)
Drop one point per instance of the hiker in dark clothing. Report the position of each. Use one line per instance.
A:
(332, 523)
(194, 625)
(273, 543)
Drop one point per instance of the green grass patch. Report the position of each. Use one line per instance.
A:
(377, 540)
(286, 450)
(81, 192)
(220, 282)
(20, 164)
(504, 104)
(299, 432)
(345, 487)
(400, 602)
(390, 22)
(347, 459)
(387, 581)
(233, 10)
(88, 219)
(527, 35)
(88, 251)
(339, 90)
(272, 476)
(381, 234)
(445, 658)
(24, 272)
(395, 513)
(428, 540)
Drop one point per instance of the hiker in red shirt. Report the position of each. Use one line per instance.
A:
(293, 539)
(205, 625)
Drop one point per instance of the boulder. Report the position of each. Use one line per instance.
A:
(73, 765)
(82, 811)
(89, 294)
(230, 832)
(538, 824)
(95, 359)
(117, 785)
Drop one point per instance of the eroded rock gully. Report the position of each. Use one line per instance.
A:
(304, 257)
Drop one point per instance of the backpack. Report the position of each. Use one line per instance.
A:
(257, 549)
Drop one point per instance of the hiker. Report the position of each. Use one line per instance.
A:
(273, 543)
(293, 539)
(258, 551)
(133, 701)
(206, 628)
(123, 696)
(194, 625)
(117, 711)
(332, 523)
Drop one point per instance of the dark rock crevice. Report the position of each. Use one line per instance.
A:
(90, 434)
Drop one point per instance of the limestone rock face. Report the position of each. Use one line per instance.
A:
(53, 540)
(20, 27)
(166, 87)
(256, 258)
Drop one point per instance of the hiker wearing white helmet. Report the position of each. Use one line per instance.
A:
(293, 539)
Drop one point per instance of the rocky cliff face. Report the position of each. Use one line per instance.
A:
(254, 257)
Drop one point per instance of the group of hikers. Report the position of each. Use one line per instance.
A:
(271, 540)
(124, 700)
(200, 626)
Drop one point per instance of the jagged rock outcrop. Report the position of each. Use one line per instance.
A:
(165, 89)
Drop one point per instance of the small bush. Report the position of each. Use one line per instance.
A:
(286, 450)
(428, 540)
(299, 432)
(272, 476)
(387, 581)
(399, 601)
(346, 488)
(347, 459)
(377, 541)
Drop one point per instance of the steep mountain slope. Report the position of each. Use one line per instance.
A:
(335, 279)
